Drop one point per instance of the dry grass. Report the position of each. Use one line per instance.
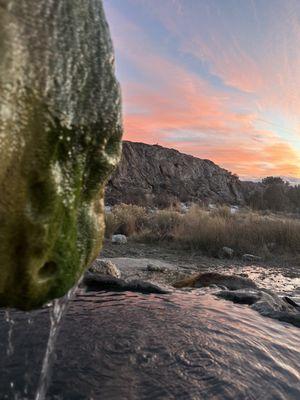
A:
(221, 212)
(125, 219)
(209, 231)
(161, 225)
(245, 233)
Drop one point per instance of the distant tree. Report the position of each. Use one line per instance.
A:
(294, 197)
(275, 194)
(256, 199)
(275, 198)
(273, 180)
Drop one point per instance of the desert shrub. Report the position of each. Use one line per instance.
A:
(136, 197)
(161, 225)
(111, 224)
(208, 231)
(200, 230)
(263, 235)
(259, 233)
(246, 232)
(164, 201)
(126, 219)
(221, 212)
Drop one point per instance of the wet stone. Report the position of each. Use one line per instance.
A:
(119, 239)
(60, 131)
(105, 267)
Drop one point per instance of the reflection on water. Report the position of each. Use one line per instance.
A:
(133, 346)
(270, 278)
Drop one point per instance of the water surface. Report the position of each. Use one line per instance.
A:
(133, 346)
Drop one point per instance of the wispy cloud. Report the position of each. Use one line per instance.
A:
(192, 79)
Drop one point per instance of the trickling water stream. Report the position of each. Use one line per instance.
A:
(10, 321)
(57, 309)
(56, 313)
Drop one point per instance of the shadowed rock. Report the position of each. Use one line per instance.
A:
(60, 130)
(291, 302)
(231, 282)
(240, 296)
(106, 282)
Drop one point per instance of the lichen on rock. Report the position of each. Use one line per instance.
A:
(60, 133)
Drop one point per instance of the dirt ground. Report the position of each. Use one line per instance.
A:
(140, 260)
(195, 260)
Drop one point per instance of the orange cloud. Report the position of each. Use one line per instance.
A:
(201, 125)
(174, 106)
(270, 157)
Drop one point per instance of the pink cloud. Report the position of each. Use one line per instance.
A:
(263, 60)
(175, 107)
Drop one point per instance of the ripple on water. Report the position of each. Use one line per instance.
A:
(178, 346)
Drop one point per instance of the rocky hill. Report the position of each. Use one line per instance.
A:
(147, 172)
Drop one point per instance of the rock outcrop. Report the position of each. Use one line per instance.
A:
(60, 130)
(148, 171)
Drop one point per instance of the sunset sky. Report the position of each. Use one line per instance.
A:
(213, 78)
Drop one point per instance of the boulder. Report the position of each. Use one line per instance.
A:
(60, 131)
(119, 239)
(105, 267)
(232, 282)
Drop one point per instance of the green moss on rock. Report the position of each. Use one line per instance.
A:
(60, 132)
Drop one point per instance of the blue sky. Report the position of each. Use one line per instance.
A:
(213, 78)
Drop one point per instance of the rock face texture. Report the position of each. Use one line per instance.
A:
(60, 130)
(105, 267)
(147, 170)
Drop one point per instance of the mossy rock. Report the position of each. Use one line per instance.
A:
(60, 138)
